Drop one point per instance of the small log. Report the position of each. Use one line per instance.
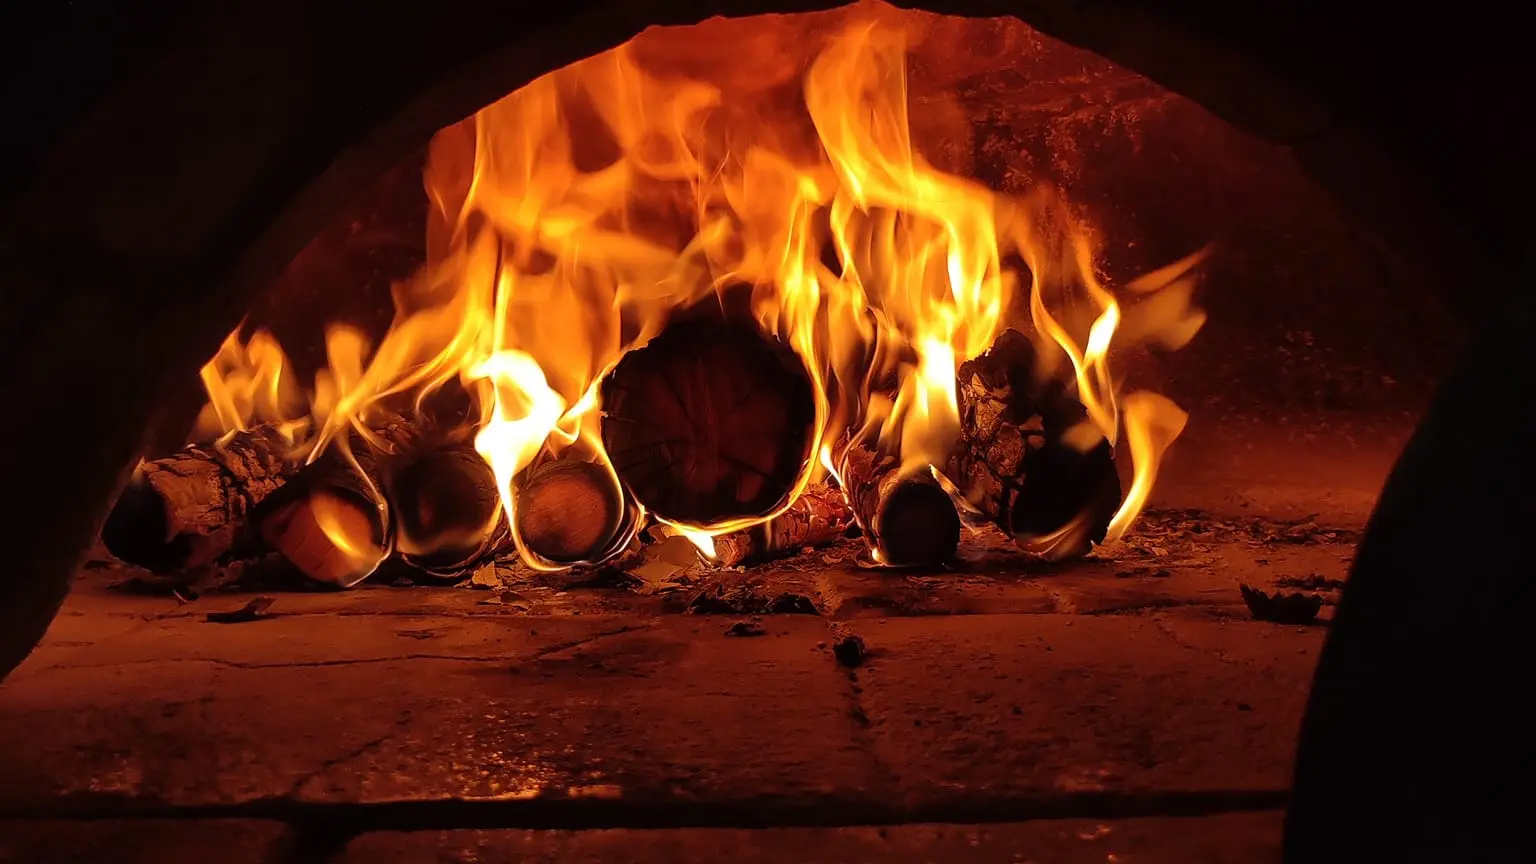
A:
(1014, 463)
(712, 420)
(569, 512)
(448, 515)
(818, 517)
(333, 520)
(186, 510)
(910, 522)
(331, 538)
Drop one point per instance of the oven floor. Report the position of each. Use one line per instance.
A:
(1126, 708)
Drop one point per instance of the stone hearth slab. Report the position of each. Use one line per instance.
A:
(182, 712)
(143, 841)
(427, 697)
(1248, 838)
(1005, 707)
(1241, 838)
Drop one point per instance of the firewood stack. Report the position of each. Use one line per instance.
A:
(405, 489)
(710, 421)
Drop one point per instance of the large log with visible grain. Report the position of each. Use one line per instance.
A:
(1015, 464)
(907, 521)
(333, 521)
(186, 510)
(818, 517)
(712, 420)
(447, 509)
(570, 512)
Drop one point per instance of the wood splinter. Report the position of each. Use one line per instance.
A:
(907, 522)
(818, 517)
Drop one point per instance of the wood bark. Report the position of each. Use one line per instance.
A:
(709, 421)
(186, 510)
(818, 517)
(569, 511)
(907, 522)
(1014, 464)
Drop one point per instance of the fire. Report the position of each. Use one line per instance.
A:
(569, 220)
(248, 384)
(347, 531)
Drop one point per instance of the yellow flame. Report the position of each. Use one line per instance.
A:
(349, 535)
(247, 384)
(570, 219)
(702, 540)
(1152, 422)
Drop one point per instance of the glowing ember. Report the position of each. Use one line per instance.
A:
(572, 218)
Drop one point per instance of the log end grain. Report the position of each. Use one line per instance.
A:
(138, 531)
(446, 507)
(1014, 463)
(331, 537)
(568, 511)
(918, 525)
(711, 420)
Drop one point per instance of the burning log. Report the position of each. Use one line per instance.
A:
(333, 539)
(447, 508)
(908, 522)
(186, 510)
(711, 420)
(569, 511)
(819, 516)
(1015, 462)
(333, 521)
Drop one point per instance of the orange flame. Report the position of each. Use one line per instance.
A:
(571, 218)
(248, 384)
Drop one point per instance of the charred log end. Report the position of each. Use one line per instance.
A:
(138, 531)
(711, 420)
(918, 525)
(1062, 484)
(183, 511)
(569, 511)
(447, 508)
(333, 536)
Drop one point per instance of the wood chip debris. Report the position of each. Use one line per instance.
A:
(1281, 607)
(252, 611)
